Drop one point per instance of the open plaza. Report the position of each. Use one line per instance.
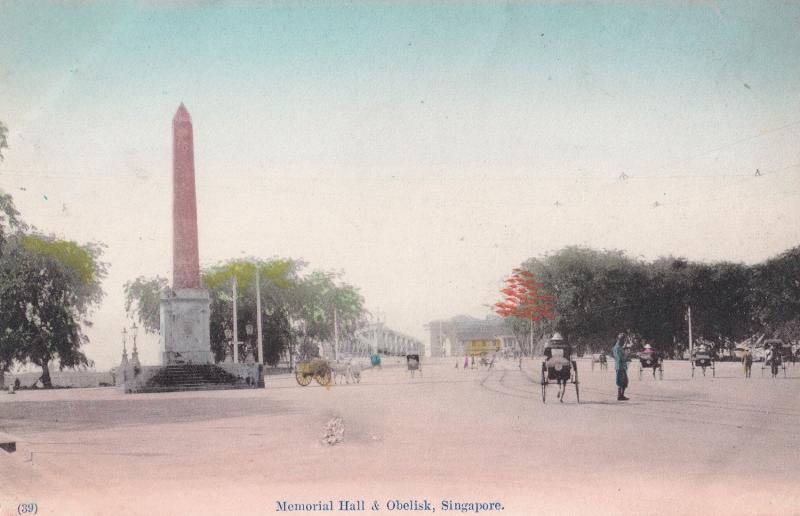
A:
(681, 445)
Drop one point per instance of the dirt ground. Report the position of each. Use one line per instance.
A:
(681, 445)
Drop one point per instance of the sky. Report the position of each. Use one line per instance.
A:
(422, 149)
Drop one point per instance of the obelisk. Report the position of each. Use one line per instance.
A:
(185, 329)
(185, 254)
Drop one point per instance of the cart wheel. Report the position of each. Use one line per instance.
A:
(577, 393)
(713, 370)
(692, 370)
(544, 387)
(301, 378)
(704, 370)
(323, 379)
(660, 373)
(640, 372)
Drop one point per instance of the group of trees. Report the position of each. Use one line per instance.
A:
(299, 312)
(597, 294)
(48, 288)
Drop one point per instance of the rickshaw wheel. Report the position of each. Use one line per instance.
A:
(544, 386)
(713, 370)
(660, 372)
(577, 392)
(640, 372)
(301, 378)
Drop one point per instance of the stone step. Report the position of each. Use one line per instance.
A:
(194, 387)
(191, 377)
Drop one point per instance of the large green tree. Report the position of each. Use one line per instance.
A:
(597, 293)
(48, 288)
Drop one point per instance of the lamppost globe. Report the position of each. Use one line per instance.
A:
(228, 334)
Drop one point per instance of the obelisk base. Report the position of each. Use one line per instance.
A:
(185, 327)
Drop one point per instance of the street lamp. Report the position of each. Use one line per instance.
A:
(135, 352)
(249, 331)
(228, 340)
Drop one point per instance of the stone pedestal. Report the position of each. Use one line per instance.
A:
(185, 327)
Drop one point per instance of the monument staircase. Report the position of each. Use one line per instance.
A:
(188, 377)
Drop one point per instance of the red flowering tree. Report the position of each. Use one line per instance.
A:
(524, 300)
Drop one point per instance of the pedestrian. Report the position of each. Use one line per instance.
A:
(747, 362)
(621, 365)
(466, 362)
(773, 359)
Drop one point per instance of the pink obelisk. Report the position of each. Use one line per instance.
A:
(185, 254)
(185, 330)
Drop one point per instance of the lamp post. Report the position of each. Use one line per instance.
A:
(228, 341)
(124, 362)
(249, 331)
(135, 353)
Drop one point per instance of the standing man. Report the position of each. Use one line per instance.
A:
(747, 362)
(621, 365)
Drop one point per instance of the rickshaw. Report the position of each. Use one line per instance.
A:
(779, 356)
(601, 359)
(650, 359)
(412, 362)
(703, 358)
(317, 369)
(558, 366)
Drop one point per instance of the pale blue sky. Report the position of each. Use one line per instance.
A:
(419, 147)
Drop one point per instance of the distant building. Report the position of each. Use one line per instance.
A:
(450, 337)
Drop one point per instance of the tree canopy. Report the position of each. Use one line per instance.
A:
(597, 294)
(48, 288)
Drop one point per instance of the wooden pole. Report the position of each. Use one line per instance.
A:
(260, 346)
(335, 335)
(235, 326)
(691, 341)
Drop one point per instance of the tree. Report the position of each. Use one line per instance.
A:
(296, 310)
(775, 293)
(524, 300)
(596, 294)
(48, 288)
(279, 281)
(10, 219)
(329, 311)
(143, 301)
